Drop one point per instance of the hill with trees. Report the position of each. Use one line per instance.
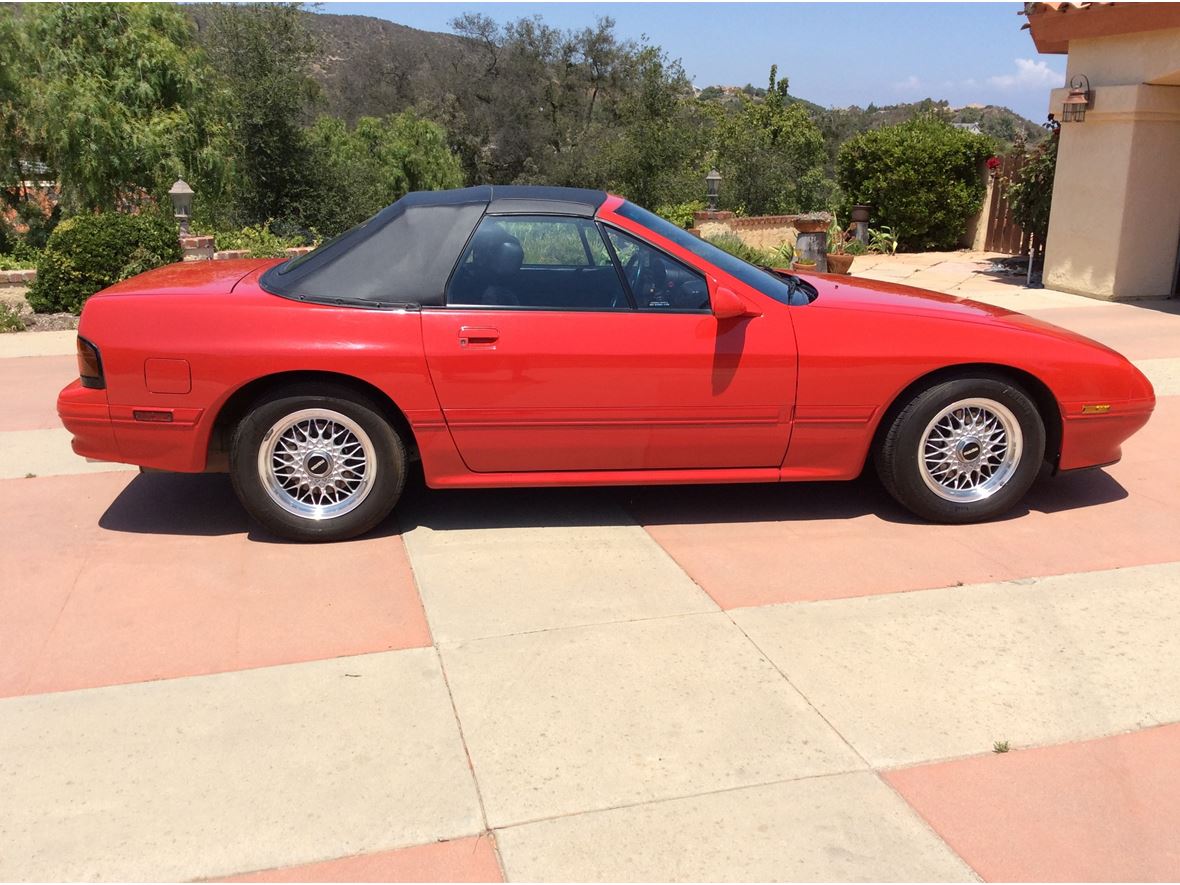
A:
(293, 124)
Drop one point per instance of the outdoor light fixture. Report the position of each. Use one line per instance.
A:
(713, 186)
(1079, 98)
(182, 204)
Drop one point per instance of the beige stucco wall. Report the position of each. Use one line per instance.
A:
(1114, 228)
(1127, 59)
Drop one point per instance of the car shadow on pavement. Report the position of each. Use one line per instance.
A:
(194, 504)
(465, 509)
(205, 505)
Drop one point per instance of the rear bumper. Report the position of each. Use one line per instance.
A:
(84, 413)
(103, 432)
(1095, 440)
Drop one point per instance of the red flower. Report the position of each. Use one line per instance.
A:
(993, 163)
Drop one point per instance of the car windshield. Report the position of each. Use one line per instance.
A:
(788, 291)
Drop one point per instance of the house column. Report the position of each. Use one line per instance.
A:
(1114, 226)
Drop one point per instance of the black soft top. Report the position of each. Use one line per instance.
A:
(405, 253)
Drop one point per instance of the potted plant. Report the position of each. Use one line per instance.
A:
(812, 222)
(804, 264)
(839, 261)
(860, 212)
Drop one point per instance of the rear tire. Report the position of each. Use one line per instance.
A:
(965, 450)
(317, 463)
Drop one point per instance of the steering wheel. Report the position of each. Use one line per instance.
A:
(632, 271)
(647, 276)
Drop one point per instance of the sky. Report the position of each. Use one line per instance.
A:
(835, 54)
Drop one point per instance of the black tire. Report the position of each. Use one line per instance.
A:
(368, 506)
(898, 455)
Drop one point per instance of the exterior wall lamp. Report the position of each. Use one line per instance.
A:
(713, 187)
(182, 204)
(1079, 99)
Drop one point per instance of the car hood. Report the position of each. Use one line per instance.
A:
(852, 293)
(191, 278)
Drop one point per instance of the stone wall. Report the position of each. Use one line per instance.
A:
(13, 294)
(759, 231)
(201, 249)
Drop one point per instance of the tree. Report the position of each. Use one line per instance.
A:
(771, 156)
(657, 155)
(121, 106)
(361, 170)
(14, 147)
(535, 104)
(262, 53)
(923, 178)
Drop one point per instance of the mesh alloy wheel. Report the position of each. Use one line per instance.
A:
(970, 450)
(317, 464)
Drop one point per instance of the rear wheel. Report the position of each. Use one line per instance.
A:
(964, 450)
(317, 464)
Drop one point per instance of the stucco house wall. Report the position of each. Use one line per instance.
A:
(1114, 227)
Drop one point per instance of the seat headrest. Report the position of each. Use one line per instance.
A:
(497, 251)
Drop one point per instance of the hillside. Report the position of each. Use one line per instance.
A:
(370, 66)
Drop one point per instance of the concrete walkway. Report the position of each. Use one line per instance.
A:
(698, 683)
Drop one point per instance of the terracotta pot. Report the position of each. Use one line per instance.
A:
(806, 266)
(810, 226)
(839, 262)
(860, 212)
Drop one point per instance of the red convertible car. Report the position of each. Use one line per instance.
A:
(528, 336)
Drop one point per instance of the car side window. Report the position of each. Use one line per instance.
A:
(658, 282)
(539, 262)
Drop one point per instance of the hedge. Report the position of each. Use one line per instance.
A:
(922, 178)
(90, 252)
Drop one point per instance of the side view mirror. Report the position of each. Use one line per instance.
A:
(728, 304)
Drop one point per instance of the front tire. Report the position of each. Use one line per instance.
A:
(319, 463)
(965, 450)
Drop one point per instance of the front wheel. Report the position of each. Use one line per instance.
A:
(961, 451)
(318, 464)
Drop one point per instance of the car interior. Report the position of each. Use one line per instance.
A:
(565, 264)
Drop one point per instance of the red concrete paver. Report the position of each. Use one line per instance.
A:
(1138, 333)
(29, 387)
(128, 578)
(1103, 810)
(771, 544)
(460, 860)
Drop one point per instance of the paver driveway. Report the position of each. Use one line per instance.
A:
(717, 683)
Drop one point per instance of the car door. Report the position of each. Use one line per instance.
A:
(566, 345)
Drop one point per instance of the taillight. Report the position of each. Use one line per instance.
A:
(90, 365)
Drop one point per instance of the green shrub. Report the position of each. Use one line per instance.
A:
(681, 214)
(258, 241)
(90, 252)
(778, 256)
(922, 178)
(21, 258)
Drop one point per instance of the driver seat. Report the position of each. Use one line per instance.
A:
(490, 277)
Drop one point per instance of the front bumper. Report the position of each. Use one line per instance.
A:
(1094, 440)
